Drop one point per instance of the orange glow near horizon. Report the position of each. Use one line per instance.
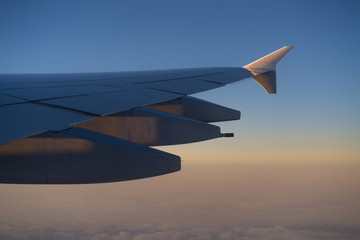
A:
(252, 150)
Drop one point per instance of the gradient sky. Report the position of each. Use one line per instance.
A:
(291, 172)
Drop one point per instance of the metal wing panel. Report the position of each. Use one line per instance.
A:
(89, 77)
(21, 120)
(35, 94)
(228, 75)
(5, 100)
(31, 85)
(107, 103)
(182, 86)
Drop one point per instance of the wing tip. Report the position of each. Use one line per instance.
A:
(264, 69)
(268, 62)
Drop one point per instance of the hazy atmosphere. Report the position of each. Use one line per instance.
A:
(292, 170)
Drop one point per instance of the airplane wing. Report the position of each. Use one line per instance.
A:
(98, 127)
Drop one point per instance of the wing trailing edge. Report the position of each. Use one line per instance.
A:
(264, 69)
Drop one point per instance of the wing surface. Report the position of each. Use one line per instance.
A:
(55, 128)
(33, 98)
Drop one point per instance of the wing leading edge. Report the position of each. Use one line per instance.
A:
(92, 128)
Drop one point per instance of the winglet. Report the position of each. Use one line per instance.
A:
(264, 69)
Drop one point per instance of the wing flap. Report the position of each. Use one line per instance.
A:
(152, 127)
(198, 109)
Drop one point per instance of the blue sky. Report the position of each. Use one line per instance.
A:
(317, 87)
(312, 122)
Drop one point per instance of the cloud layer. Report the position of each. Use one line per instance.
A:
(148, 231)
(201, 202)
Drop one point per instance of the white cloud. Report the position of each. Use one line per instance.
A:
(101, 236)
(64, 236)
(226, 236)
(150, 231)
(122, 236)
